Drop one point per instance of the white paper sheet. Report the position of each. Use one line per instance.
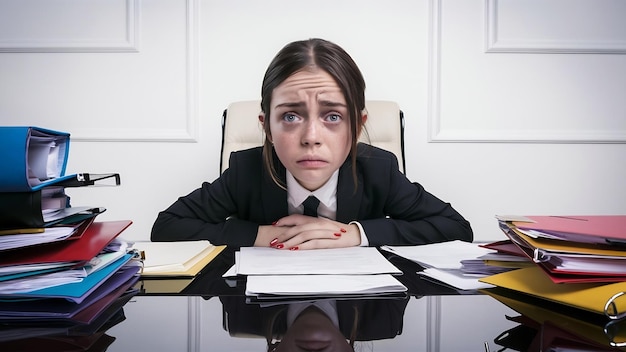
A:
(444, 255)
(322, 284)
(336, 261)
(455, 278)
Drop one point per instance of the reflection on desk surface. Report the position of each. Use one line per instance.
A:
(210, 313)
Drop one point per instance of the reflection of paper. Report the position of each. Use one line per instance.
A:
(348, 261)
(322, 284)
(455, 278)
(232, 272)
(444, 255)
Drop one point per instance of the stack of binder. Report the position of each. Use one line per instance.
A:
(572, 249)
(580, 262)
(61, 272)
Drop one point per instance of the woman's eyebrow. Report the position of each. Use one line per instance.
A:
(290, 105)
(331, 103)
(298, 104)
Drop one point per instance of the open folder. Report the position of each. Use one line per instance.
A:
(180, 258)
(599, 229)
(77, 251)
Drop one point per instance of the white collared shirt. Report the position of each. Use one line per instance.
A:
(327, 195)
(328, 307)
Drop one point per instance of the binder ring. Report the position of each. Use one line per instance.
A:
(610, 308)
(611, 330)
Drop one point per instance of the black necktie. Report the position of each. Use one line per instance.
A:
(310, 206)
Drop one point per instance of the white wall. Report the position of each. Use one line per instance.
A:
(511, 107)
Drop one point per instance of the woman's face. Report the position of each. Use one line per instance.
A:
(310, 126)
(313, 331)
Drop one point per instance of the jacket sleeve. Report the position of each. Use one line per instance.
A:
(207, 213)
(410, 215)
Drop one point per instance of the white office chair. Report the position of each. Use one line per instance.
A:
(384, 128)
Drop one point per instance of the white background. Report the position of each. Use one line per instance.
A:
(511, 107)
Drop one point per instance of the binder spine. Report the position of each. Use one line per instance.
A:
(14, 170)
(15, 143)
(20, 210)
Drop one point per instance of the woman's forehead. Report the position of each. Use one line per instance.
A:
(305, 85)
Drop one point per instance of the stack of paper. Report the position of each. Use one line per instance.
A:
(443, 262)
(75, 282)
(70, 269)
(341, 272)
(181, 258)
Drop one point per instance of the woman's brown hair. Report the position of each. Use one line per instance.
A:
(335, 61)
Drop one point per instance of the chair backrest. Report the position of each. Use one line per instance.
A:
(384, 128)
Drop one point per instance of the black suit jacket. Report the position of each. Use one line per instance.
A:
(377, 319)
(391, 209)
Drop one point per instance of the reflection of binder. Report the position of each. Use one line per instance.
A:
(563, 326)
(593, 297)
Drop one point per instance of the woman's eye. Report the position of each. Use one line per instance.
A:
(333, 118)
(290, 117)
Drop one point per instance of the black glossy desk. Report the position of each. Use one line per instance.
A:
(208, 314)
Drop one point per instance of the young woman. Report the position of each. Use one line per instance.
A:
(312, 112)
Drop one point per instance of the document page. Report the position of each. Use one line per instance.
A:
(322, 284)
(335, 261)
(444, 255)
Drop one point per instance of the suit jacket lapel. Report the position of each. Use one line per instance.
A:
(348, 199)
(274, 197)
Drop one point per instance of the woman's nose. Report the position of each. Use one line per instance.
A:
(311, 133)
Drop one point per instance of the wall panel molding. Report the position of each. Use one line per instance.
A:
(72, 42)
(436, 131)
(495, 42)
(187, 133)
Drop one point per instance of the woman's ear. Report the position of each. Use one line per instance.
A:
(363, 121)
(262, 122)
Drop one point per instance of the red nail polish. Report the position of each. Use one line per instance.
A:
(337, 234)
(293, 248)
(274, 223)
(343, 230)
(280, 246)
(273, 242)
